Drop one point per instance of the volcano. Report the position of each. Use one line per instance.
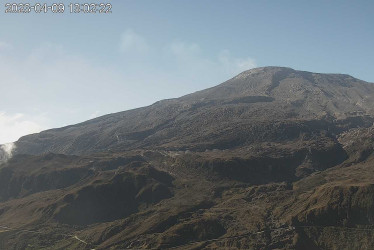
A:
(273, 158)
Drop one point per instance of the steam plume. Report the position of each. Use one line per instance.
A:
(6, 151)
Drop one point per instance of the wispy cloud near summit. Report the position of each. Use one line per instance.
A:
(193, 60)
(67, 87)
(12, 127)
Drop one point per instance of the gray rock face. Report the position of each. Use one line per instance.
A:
(258, 105)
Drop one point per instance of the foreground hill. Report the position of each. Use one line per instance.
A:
(272, 159)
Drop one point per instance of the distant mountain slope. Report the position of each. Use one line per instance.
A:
(242, 110)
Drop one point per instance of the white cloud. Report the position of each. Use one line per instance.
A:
(192, 61)
(233, 64)
(6, 151)
(62, 86)
(192, 54)
(133, 42)
(12, 127)
(68, 88)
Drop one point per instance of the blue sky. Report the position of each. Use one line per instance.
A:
(59, 69)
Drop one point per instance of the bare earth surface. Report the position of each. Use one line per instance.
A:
(273, 158)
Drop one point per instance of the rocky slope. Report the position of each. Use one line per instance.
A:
(273, 158)
(259, 105)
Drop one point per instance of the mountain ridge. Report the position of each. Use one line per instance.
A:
(264, 94)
